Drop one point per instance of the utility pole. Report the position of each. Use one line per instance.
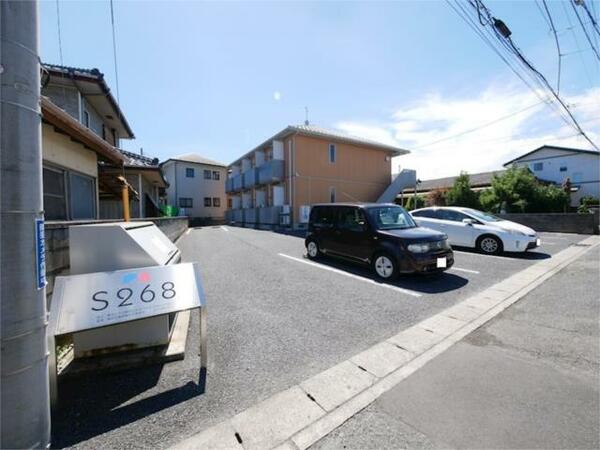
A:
(25, 410)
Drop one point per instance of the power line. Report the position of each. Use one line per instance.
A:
(112, 23)
(485, 125)
(503, 34)
(557, 45)
(585, 30)
(589, 13)
(570, 28)
(60, 53)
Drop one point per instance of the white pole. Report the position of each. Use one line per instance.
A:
(25, 415)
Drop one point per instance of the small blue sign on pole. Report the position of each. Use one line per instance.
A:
(40, 253)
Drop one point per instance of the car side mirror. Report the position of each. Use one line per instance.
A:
(469, 221)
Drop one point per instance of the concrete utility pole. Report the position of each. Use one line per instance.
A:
(25, 411)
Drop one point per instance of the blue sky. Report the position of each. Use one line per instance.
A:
(219, 78)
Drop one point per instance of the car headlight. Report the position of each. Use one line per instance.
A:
(418, 248)
(516, 232)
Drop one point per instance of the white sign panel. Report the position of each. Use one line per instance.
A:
(96, 300)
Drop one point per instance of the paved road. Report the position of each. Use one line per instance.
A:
(528, 379)
(273, 322)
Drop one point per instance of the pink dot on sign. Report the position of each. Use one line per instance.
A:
(144, 277)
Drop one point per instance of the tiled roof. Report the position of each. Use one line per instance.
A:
(137, 160)
(95, 73)
(476, 180)
(195, 158)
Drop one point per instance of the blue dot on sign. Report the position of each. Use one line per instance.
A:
(129, 277)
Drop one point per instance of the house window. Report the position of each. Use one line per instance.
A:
(216, 175)
(86, 118)
(55, 194)
(216, 202)
(538, 166)
(207, 175)
(185, 202)
(332, 153)
(563, 168)
(207, 201)
(68, 195)
(82, 196)
(189, 172)
(332, 194)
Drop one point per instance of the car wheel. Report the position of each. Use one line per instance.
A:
(490, 245)
(312, 250)
(385, 266)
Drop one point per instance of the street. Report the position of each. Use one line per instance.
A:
(275, 321)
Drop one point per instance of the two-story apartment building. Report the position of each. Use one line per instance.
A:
(196, 186)
(82, 126)
(554, 164)
(276, 182)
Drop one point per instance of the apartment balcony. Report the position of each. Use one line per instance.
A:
(249, 178)
(271, 172)
(229, 185)
(236, 183)
(269, 215)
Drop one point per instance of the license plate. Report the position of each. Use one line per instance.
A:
(538, 242)
(441, 263)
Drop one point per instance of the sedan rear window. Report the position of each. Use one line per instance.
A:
(390, 217)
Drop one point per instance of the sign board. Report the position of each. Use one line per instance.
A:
(94, 300)
(40, 253)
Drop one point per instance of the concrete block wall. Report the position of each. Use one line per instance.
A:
(57, 242)
(557, 222)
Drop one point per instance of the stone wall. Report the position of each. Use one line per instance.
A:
(557, 222)
(57, 241)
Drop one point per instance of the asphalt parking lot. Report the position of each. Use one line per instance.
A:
(275, 319)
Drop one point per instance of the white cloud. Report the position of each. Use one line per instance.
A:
(526, 124)
(276, 96)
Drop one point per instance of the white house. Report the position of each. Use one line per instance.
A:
(556, 164)
(196, 186)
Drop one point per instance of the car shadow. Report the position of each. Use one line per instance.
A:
(423, 283)
(89, 405)
(529, 255)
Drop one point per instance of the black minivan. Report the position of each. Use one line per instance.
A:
(381, 235)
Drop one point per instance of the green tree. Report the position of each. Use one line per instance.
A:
(461, 193)
(519, 191)
(415, 204)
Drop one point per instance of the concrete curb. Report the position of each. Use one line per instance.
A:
(300, 416)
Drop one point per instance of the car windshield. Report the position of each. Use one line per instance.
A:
(390, 218)
(486, 217)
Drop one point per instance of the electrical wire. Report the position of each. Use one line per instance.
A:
(585, 30)
(592, 19)
(571, 29)
(557, 45)
(114, 42)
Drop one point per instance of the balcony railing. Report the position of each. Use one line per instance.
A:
(249, 178)
(229, 185)
(236, 183)
(269, 215)
(271, 171)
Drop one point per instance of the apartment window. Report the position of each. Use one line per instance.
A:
(216, 202)
(189, 172)
(207, 201)
(563, 168)
(216, 175)
(332, 194)
(68, 195)
(207, 175)
(538, 166)
(332, 153)
(186, 202)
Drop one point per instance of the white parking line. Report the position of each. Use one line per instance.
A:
(464, 270)
(350, 275)
(224, 228)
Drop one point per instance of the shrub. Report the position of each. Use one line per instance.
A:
(436, 197)
(411, 203)
(461, 193)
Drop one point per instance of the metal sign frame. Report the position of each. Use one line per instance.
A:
(57, 309)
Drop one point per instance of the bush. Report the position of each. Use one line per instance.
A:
(586, 203)
(518, 191)
(436, 197)
(461, 193)
(410, 203)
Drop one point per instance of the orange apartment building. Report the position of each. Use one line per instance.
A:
(275, 183)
